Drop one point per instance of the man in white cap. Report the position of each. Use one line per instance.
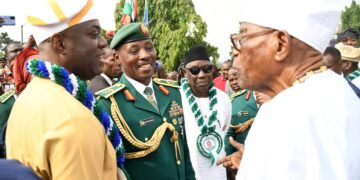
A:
(310, 129)
(56, 127)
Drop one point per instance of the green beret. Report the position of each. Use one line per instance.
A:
(130, 33)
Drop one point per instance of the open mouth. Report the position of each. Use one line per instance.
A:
(146, 67)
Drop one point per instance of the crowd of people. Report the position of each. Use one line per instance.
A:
(286, 106)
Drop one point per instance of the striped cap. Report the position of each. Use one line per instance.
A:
(47, 17)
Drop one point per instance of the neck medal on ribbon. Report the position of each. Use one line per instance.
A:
(78, 89)
(209, 142)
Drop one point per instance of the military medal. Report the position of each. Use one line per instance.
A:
(175, 109)
(208, 143)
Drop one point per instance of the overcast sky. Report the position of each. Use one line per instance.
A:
(213, 12)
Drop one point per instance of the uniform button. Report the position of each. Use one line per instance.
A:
(164, 119)
(146, 139)
(178, 162)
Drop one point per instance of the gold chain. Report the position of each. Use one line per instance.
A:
(149, 146)
(309, 74)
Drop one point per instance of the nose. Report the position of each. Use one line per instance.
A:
(349, 42)
(236, 61)
(102, 43)
(201, 74)
(143, 54)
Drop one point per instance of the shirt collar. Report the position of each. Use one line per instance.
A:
(139, 86)
(107, 79)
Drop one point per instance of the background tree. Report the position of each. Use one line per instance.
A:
(350, 17)
(5, 39)
(174, 27)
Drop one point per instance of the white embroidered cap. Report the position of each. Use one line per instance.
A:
(313, 22)
(47, 17)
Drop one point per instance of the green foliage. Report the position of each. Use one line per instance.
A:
(107, 38)
(350, 18)
(5, 39)
(2, 54)
(175, 27)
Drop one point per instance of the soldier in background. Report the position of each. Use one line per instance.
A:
(111, 72)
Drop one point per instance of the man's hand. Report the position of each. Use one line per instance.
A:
(233, 161)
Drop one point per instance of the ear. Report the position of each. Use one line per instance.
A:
(185, 73)
(57, 43)
(282, 43)
(116, 57)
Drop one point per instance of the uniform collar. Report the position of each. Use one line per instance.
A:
(140, 88)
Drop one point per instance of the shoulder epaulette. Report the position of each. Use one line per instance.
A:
(107, 92)
(166, 82)
(237, 94)
(7, 95)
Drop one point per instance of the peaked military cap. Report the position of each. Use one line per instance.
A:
(130, 33)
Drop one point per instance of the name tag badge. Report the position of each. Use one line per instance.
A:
(147, 121)
(243, 113)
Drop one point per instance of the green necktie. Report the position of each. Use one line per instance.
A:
(151, 98)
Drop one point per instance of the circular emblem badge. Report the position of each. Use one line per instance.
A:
(144, 29)
(209, 142)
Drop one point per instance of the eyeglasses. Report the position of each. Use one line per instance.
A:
(195, 70)
(238, 39)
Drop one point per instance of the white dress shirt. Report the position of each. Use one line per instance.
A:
(140, 87)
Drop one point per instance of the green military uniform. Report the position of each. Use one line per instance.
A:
(7, 101)
(159, 157)
(244, 109)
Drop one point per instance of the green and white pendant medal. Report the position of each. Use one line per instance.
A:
(209, 142)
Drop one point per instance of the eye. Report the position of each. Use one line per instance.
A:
(133, 51)
(95, 34)
(149, 47)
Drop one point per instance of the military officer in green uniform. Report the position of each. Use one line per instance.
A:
(6, 103)
(244, 110)
(148, 112)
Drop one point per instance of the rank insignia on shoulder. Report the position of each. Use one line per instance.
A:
(247, 97)
(7, 95)
(164, 90)
(237, 94)
(128, 95)
(166, 82)
(107, 92)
